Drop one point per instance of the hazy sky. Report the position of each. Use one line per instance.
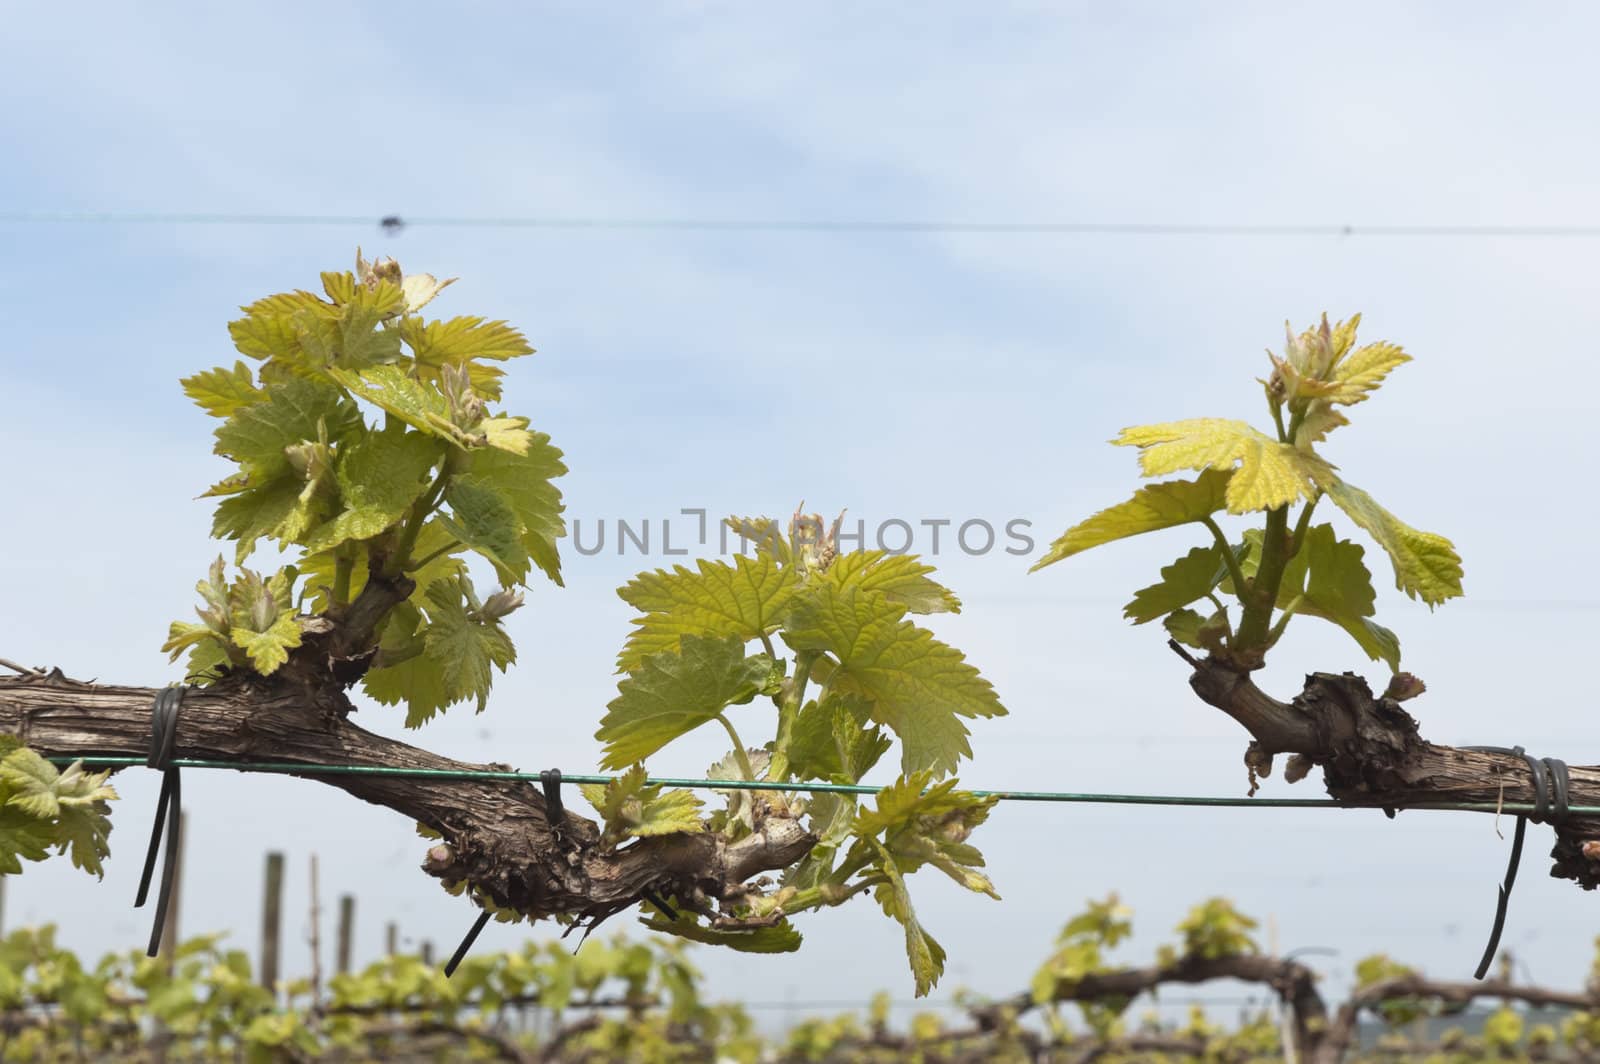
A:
(909, 376)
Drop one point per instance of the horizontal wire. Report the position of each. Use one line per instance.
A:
(1069, 797)
(778, 225)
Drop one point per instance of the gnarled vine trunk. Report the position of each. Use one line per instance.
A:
(1372, 753)
(498, 832)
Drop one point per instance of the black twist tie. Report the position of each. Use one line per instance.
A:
(163, 740)
(550, 782)
(460, 954)
(1551, 788)
(554, 811)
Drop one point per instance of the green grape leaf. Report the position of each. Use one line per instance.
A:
(923, 822)
(834, 739)
(69, 809)
(925, 954)
(464, 644)
(417, 681)
(524, 481)
(504, 434)
(901, 577)
(746, 599)
(433, 543)
(1191, 577)
(781, 937)
(630, 808)
(84, 826)
(32, 782)
(223, 392)
(1328, 579)
(1320, 419)
(1270, 474)
(258, 436)
(269, 331)
(762, 532)
(268, 649)
(483, 519)
(256, 513)
(1426, 565)
(919, 687)
(206, 663)
(391, 390)
(671, 693)
(1184, 626)
(1152, 508)
(1358, 376)
(464, 340)
(352, 337)
(1214, 928)
(22, 838)
(379, 476)
(182, 635)
(271, 497)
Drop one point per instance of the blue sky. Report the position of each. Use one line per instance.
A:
(899, 375)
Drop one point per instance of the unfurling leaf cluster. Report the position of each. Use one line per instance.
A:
(856, 674)
(368, 446)
(1280, 568)
(43, 808)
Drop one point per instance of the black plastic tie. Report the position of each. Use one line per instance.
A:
(460, 954)
(550, 783)
(655, 899)
(1551, 788)
(169, 810)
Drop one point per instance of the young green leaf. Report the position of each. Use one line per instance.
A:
(22, 837)
(462, 341)
(919, 687)
(673, 692)
(464, 643)
(900, 577)
(269, 648)
(379, 476)
(926, 955)
(524, 481)
(922, 822)
(1269, 474)
(84, 824)
(780, 937)
(1152, 508)
(223, 392)
(1191, 577)
(1328, 579)
(631, 809)
(1358, 376)
(1184, 626)
(270, 330)
(834, 739)
(417, 681)
(352, 337)
(1426, 565)
(483, 519)
(391, 390)
(745, 599)
(258, 436)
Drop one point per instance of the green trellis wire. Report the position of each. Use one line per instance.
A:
(1068, 797)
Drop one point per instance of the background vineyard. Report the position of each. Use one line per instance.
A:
(639, 997)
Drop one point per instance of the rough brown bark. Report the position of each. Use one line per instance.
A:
(1373, 754)
(497, 833)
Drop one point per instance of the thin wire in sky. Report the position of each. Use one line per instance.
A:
(397, 223)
